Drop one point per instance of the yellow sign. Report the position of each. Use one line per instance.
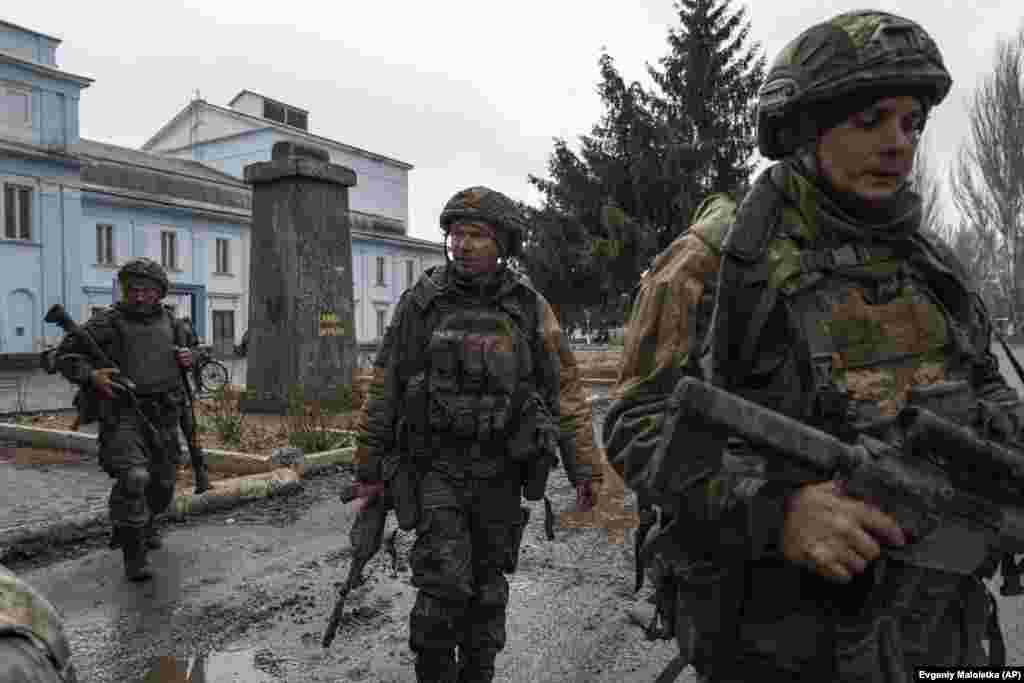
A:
(330, 326)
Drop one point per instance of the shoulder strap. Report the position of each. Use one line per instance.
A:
(744, 300)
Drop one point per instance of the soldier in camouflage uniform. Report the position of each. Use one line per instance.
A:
(138, 439)
(470, 381)
(33, 646)
(831, 307)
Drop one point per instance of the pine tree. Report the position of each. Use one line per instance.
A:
(654, 155)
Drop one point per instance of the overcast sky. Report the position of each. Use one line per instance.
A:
(467, 92)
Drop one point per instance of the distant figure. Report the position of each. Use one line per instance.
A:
(141, 398)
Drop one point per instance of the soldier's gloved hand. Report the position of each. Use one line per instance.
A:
(585, 495)
(833, 535)
(103, 381)
(365, 492)
(184, 356)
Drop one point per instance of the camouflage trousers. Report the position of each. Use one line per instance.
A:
(468, 538)
(144, 467)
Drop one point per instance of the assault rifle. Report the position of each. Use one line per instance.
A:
(956, 494)
(367, 535)
(123, 386)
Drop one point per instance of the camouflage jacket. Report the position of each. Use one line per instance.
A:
(665, 336)
(671, 321)
(26, 613)
(862, 318)
(404, 347)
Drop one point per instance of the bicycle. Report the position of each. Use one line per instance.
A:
(208, 374)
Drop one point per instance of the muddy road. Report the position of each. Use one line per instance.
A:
(244, 595)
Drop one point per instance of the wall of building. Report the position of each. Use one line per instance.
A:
(53, 105)
(28, 45)
(369, 296)
(137, 232)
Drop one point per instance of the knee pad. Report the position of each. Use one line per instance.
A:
(434, 623)
(135, 480)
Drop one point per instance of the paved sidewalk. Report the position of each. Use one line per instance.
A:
(39, 493)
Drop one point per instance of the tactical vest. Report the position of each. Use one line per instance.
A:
(27, 613)
(475, 380)
(836, 337)
(146, 352)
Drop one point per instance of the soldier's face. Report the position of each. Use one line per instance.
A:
(871, 153)
(474, 248)
(144, 296)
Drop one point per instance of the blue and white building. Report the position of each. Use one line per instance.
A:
(73, 210)
(385, 259)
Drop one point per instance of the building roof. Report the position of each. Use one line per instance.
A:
(272, 99)
(159, 177)
(45, 70)
(269, 123)
(28, 30)
(125, 155)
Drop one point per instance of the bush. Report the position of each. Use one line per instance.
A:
(317, 441)
(226, 417)
(310, 423)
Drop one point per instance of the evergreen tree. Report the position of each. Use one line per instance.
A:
(654, 155)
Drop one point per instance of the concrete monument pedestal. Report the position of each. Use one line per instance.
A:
(301, 322)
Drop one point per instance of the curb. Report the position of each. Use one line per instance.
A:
(269, 479)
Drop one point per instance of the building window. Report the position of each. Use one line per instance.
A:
(169, 249)
(15, 106)
(275, 111)
(105, 244)
(17, 212)
(223, 332)
(299, 119)
(223, 257)
(382, 325)
(380, 271)
(410, 273)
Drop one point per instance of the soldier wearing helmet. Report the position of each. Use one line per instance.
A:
(832, 307)
(141, 397)
(469, 394)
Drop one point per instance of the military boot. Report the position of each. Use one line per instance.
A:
(151, 534)
(133, 545)
(436, 666)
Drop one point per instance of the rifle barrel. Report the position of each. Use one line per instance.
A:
(700, 403)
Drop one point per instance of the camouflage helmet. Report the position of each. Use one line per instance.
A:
(147, 268)
(489, 206)
(839, 67)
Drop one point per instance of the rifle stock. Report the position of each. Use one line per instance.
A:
(952, 527)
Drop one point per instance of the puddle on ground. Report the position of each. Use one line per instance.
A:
(226, 666)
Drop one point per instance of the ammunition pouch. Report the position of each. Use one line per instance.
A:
(88, 405)
(535, 475)
(698, 602)
(516, 541)
(533, 446)
(405, 495)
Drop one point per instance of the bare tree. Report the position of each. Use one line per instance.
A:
(925, 181)
(988, 179)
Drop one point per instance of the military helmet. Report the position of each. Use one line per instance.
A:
(489, 206)
(840, 66)
(146, 268)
